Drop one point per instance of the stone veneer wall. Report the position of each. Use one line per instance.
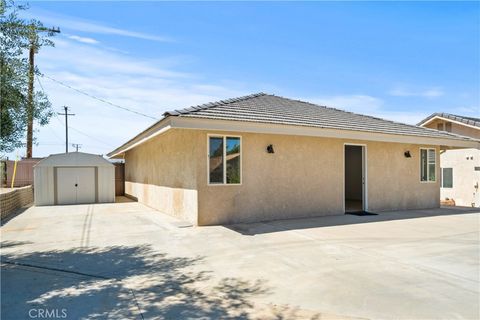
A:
(15, 199)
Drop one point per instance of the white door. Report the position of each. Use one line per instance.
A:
(75, 185)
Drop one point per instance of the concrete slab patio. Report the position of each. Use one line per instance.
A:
(125, 260)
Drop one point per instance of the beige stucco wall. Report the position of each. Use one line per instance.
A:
(292, 182)
(394, 180)
(161, 173)
(303, 178)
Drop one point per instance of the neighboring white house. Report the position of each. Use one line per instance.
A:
(460, 168)
(74, 178)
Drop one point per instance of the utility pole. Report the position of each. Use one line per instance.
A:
(66, 114)
(76, 146)
(31, 77)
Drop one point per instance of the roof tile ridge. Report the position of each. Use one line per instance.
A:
(371, 117)
(350, 112)
(454, 117)
(209, 105)
(459, 117)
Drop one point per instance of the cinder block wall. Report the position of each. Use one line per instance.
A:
(17, 198)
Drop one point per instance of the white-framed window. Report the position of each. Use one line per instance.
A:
(224, 159)
(428, 165)
(447, 177)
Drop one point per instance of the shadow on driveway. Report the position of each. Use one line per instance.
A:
(124, 283)
(251, 229)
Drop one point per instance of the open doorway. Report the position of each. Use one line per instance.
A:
(354, 188)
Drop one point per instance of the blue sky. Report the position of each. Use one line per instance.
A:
(400, 61)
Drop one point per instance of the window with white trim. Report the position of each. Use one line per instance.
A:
(428, 165)
(224, 160)
(447, 177)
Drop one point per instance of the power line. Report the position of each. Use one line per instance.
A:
(99, 99)
(70, 127)
(49, 127)
(55, 134)
(50, 144)
(90, 146)
(41, 86)
(91, 137)
(55, 114)
(83, 133)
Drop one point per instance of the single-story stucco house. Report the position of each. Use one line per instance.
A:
(263, 157)
(460, 168)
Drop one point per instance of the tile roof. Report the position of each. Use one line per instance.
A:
(467, 120)
(267, 108)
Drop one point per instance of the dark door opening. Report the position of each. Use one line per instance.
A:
(354, 178)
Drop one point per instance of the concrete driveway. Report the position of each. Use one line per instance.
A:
(127, 261)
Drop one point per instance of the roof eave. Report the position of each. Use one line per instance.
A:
(157, 128)
(272, 128)
(170, 122)
(434, 117)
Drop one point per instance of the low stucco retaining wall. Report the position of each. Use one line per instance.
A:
(162, 173)
(12, 200)
(177, 202)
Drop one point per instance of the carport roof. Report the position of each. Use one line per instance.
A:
(262, 108)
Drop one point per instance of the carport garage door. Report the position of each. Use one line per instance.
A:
(76, 185)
